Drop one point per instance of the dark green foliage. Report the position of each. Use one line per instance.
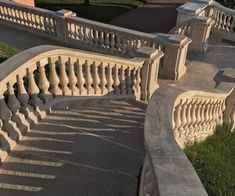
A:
(7, 51)
(214, 162)
(99, 10)
(228, 3)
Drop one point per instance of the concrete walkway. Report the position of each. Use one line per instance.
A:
(154, 16)
(90, 148)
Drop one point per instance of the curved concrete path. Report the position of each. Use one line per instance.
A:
(91, 148)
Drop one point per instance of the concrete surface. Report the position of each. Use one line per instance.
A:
(90, 148)
(155, 16)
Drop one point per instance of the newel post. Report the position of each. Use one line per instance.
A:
(191, 9)
(229, 112)
(200, 31)
(175, 52)
(149, 71)
(61, 28)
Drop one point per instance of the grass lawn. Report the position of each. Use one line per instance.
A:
(214, 162)
(99, 10)
(7, 51)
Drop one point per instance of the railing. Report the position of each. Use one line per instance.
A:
(175, 117)
(183, 28)
(39, 20)
(65, 28)
(222, 19)
(196, 115)
(35, 79)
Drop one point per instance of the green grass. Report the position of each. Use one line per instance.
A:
(214, 162)
(7, 51)
(99, 10)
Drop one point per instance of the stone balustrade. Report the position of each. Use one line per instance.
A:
(32, 81)
(67, 29)
(174, 117)
(220, 18)
(196, 115)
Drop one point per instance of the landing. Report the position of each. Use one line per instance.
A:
(91, 148)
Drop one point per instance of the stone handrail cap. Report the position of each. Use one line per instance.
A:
(191, 8)
(65, 13)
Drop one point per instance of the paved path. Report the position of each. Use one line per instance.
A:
(155, 16)
(20, 39)
(91, 148)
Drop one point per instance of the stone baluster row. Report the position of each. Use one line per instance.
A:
(223, 20)
(194, 117)
(28, 18)
(21, 108)
(85, 77)
(105, 39)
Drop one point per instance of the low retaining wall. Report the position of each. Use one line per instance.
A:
(174, 117)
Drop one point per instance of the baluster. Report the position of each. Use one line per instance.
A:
(177, 119)
(203, 116)
(106, 43)
(23, 97)
(122, 80)
(116, 80)
(33, 92)
(118, 43)
(72, 78)
(14, 106)
(64, 81)
(198, 127)
(128, 81)
(8, 125)
(188, 116)
(6, 142)
(96, 38)
(136, 81)
(88, 81)
(110, 80)
(214, 114)
(96, 79)
(183, 118)
(210, 123)
(193, 115)
(81, 79)
(53, 79)
(101, 40)
(43, 84)
(103, 80)
(112, 44)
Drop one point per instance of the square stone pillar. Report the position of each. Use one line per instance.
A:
(191, 9)
(149, 71)
(61, 28)
(175, 53)
(200, 31)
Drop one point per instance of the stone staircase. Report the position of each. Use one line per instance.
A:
(87, 129)
(86, 147)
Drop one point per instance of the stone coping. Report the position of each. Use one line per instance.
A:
(173, 171)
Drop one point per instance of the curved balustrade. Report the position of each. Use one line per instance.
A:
(174, 117)
(196, 115)
(224, 17)
(32, 81)
(200, 13)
